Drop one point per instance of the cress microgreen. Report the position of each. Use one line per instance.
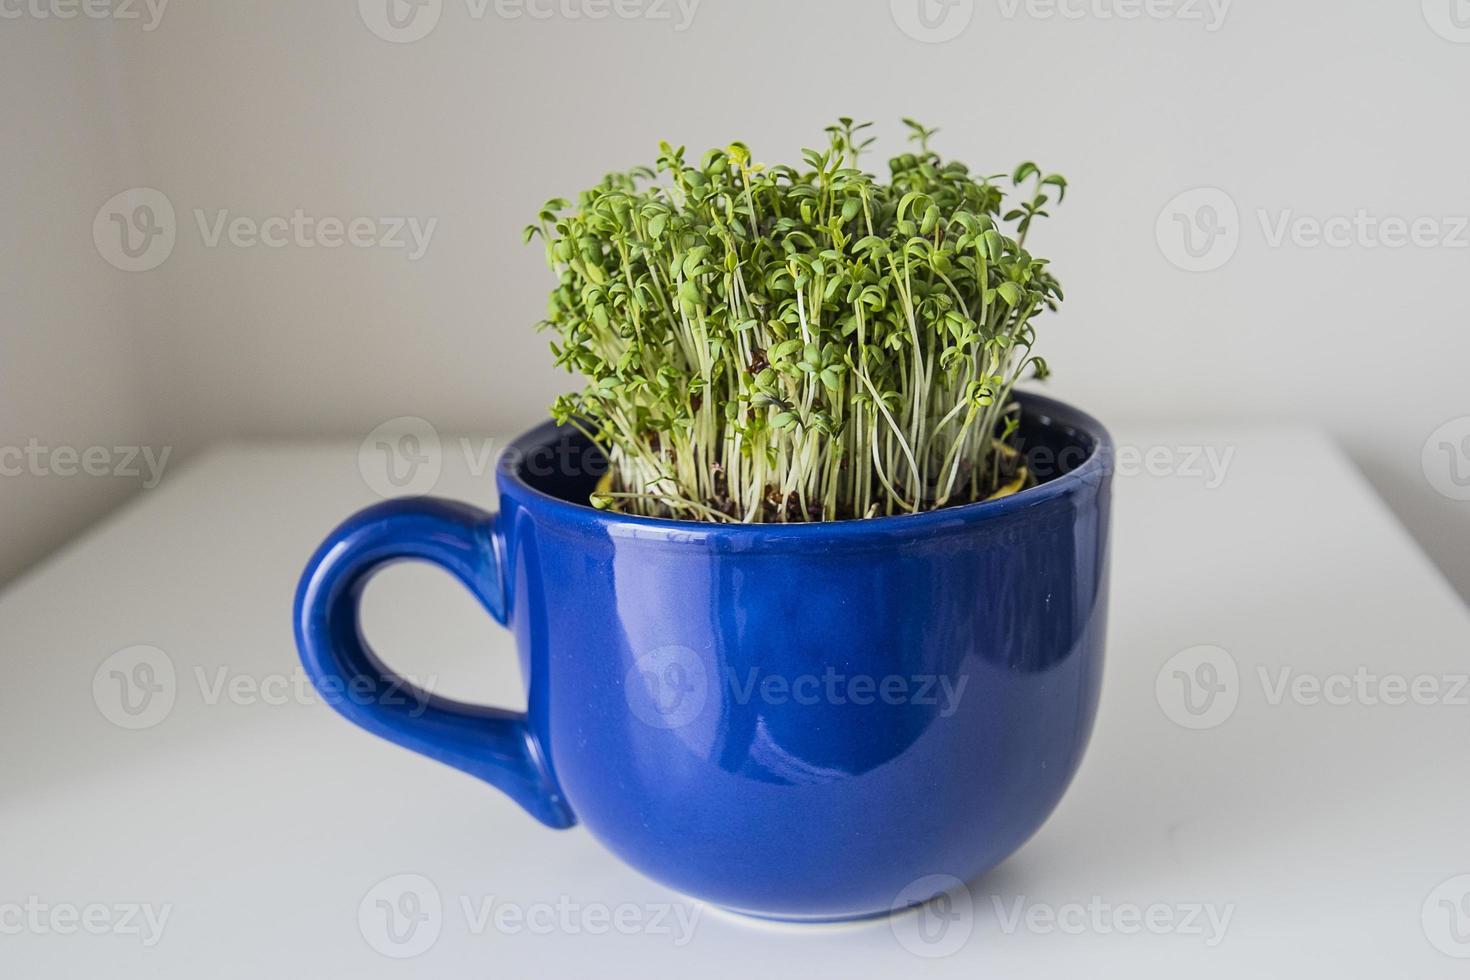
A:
(774, 343)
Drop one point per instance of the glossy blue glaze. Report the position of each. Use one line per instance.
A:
(794, 721)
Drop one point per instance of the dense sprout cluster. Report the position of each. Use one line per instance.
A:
(766, 343)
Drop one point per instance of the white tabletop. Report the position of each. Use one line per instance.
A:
(1312, 819)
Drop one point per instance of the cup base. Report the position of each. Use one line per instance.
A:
(797, 923)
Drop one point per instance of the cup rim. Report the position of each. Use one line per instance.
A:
(1096, 467)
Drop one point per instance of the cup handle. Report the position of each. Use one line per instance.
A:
(495, 745)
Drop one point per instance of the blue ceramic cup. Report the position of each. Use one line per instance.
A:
(795, 721)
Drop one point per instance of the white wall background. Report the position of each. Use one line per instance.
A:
(71, 365)
(1316, 107)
